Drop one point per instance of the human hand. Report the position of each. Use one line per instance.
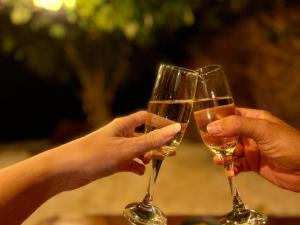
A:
(267, 146)
(110, 149)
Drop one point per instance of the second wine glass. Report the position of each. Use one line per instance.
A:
(171, 102)
(213, 102)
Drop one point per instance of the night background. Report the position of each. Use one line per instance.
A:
(81, 64)
(71, 66)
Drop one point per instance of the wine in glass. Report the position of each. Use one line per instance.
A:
(171, 102)
(213, 101)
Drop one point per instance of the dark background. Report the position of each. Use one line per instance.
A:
(258, 45)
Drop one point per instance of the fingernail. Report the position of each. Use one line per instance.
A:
(141, 171)
(215, 128)
(176, 127)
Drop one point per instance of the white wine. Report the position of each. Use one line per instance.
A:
(165, 112)
(211, 109)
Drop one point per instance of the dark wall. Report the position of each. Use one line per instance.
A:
(30, 106)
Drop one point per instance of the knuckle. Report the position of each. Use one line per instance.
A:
(136, 118)
(142, 112)
(117, 120)
(264, 114)
(153, 139)
(263, 129)
(233, 122)
(232, 125)
(138, 114)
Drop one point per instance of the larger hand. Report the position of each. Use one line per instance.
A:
(268, 146)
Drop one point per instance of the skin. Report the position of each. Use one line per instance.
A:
(268, 146)
(111, 149)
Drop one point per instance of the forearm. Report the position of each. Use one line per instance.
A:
(25, 186)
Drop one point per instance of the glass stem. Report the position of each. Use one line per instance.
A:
(238, 205)
(146, 204)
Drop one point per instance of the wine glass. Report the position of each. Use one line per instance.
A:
(171, 102)
(213, 101)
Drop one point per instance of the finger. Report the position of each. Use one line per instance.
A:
(240, 165)
(172, 153)
(133, 120)
(232, 126)
(158, 121)
(239, 150)
(251, 113)
(134, 167)
(258, 114)
(156, 154)
(217, 160)
(148, 156)
(146, 159)
(136, 134)
(153, 154)
(154, 139)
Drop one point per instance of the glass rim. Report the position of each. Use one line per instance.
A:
(179, 68)
(215, 67)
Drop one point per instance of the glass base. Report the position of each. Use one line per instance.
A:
(138, 214)
(247, 217)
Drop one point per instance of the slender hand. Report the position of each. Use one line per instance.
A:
(113, 148)
(267, 146)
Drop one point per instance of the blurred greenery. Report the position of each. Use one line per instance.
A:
(94, 41)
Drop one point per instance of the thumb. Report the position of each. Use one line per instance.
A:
(256, 129)
(155, 138)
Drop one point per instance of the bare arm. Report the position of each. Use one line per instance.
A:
(113, 148)
(25, 186)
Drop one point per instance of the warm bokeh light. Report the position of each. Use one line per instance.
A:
(53, 5)
(70, 3)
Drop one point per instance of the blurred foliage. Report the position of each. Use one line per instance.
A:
(95, 39)
(34, 34)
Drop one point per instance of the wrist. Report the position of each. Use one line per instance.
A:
(49, 176)
(65, 168)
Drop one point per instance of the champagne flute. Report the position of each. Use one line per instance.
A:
(213, 101)
(171, 102)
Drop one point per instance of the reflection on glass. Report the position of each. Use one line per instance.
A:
(214, 101)
(171, 102)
